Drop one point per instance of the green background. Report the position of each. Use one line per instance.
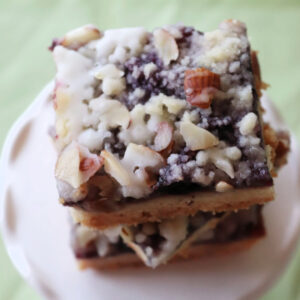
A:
(27, 27)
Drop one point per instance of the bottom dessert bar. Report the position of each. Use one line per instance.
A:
(129, 259)
(224, 233)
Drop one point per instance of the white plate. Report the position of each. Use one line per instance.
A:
(36, 233)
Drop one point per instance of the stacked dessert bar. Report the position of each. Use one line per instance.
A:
(162, 150)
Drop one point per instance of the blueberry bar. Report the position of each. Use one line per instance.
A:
(158, 125)
(156, 243)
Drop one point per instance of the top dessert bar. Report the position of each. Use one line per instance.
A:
(154, 125)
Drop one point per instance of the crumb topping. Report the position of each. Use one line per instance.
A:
(173, 106)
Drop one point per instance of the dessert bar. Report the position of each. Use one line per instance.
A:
(154, 125)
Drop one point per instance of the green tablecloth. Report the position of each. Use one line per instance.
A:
(27, 28)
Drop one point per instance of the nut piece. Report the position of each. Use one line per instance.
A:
(224, 165)
(165, 45)
(248, 123)
(200, 86)
(110, 71)
(114, 168)
(76, 165)
(223, 186)
(67, 167)
(164, 137)
(139, 156)
(197, 138)
(62, 101)
(80, 36)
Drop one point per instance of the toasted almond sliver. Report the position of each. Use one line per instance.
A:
(76, 165)
(81, 36)
(223, 186)
(67, 167)
(163, 137)
(62, 101)
(142, 157)
(108, 71)
(114, 168)
(197, 138)
(166, 45)
(224, 165)
(248, 123)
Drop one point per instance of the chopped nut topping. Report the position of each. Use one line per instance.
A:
(142, 157)
(88, 163)
(224, 165)
(114, 168)
(248, 123)
(146, 99)
(164, 137)
(80, 36)
(166, 45)
(223, 186)
(197, 138)
(62, 101)
(110, 71)
(76, 165)
(200, 86)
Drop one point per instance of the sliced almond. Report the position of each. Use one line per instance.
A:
(248, 123)
(173, 105)
(62, 127)
(197, 138)
(163, 137)
(90, 165)
(223, 186)
(67, 167)
(165, 45)
(76, 165)
(110, 71)
(142, 157)
(224, 165)
(200, 85)
(81, 36)
(62, 101)
(114, 168)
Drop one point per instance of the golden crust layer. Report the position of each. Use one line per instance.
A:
(170, 206)
(194, 252)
